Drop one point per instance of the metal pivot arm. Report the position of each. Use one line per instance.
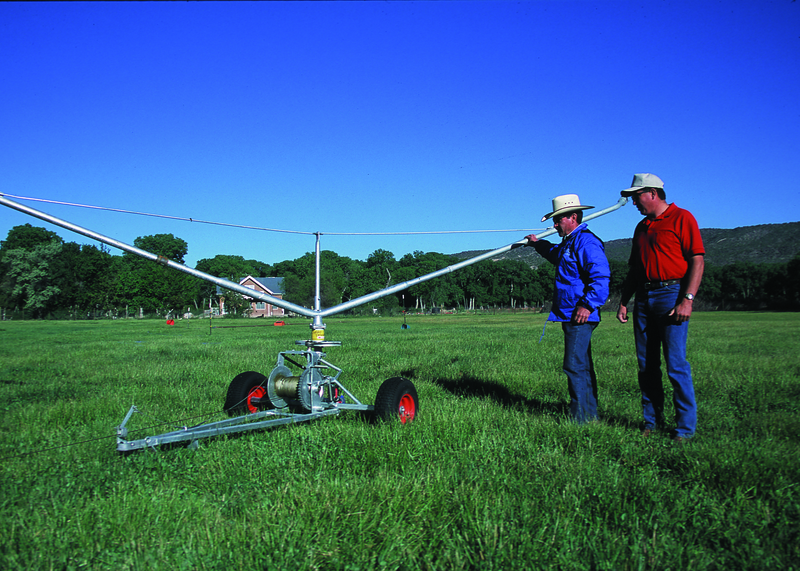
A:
(160, 259)
(485, 256)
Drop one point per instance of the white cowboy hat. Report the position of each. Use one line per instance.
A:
(643, 180)
(565, 203)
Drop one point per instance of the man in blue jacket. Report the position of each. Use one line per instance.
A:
(581, 288)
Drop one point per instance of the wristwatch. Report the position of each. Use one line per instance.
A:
(689, 296)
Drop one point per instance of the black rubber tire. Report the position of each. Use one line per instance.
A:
(237, 400)
(397, 398)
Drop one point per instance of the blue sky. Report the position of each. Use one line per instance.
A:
(361, 117)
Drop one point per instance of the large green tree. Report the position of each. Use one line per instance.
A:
(29, 283)
(85, 276)
(27, 236)
(379, 272)
(30, 277)
(142, 283)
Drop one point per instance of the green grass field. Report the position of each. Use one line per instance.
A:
(491, 475)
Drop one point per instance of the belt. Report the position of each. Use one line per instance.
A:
(659, 285)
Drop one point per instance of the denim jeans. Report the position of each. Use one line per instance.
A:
(579, 368)
(654, 330)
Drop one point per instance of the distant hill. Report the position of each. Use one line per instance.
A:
(762, 244)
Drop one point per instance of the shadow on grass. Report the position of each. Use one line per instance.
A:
(471, 387)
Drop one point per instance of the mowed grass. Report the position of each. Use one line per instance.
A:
(491, 475)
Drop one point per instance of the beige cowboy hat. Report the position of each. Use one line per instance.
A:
(643, 180)
(565, 203)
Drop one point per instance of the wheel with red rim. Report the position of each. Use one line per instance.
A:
(247, 393)
(397, 398)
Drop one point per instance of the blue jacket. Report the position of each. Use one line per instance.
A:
(582, 273)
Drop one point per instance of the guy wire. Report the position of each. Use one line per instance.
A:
(246, 227)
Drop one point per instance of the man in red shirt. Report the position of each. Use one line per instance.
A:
(665, 270)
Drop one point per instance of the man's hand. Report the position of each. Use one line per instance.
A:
(622, 314)
(531, 239)
(682, 312)
(580, 315)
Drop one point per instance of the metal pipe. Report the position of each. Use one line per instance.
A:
(621, 202)
(159, 259)
(317, 297)
(410, 283)
(317, 324)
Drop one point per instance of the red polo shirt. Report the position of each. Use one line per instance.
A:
(662, 247)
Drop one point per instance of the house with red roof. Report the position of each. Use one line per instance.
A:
(270, 286)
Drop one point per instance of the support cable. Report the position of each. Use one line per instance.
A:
(246, 227)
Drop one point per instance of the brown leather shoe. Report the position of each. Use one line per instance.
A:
(679, 440)
(647, 432)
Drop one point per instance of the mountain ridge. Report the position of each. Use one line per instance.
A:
(759, 244)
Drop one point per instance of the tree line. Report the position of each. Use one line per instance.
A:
(42, 276)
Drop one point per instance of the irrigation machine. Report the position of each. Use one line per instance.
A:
(256, 401)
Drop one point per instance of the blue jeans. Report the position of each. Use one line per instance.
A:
(579, 368)
(654, 330)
